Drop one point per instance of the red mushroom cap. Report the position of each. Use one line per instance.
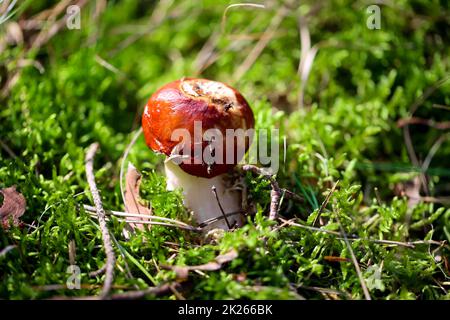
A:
(180, 103)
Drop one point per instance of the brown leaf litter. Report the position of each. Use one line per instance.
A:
(13, 207)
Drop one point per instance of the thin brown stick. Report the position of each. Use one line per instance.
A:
(355, 262)
(214, 190)
(129, 295)
(291, 195)
(444, 125)
(275, 193)
(442, 200)
(98, 272)
(7, 149)
(325, 202)
(127, 216)
(409, 244)
(155, 291)
(54, 287)
(160, 224)
(212, 220)
(7, 249)
(407, 134)
(124, 159)
(176, 293)
(110, 257)
(275, 196)
(441, 106)
(413, 157)
(72, 252)
(324, 290)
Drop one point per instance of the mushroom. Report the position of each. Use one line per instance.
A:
(204, 128)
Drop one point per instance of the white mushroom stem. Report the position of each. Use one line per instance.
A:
(199, 197)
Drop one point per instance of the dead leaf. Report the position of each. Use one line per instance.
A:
(183, 271)
(132, 204)
(13, 207)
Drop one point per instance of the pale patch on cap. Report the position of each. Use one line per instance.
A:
(216, 92)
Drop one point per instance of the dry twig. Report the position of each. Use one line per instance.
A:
(407, 134)
(275, 194)
(214, 190)
(98, 272)
(444, 125)
(128, 295)
(355, 262)
(8, 150)
(183, 271)
(155, 291)
(126, 217)
(409, 244)
(325, 202)
(110, 257)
